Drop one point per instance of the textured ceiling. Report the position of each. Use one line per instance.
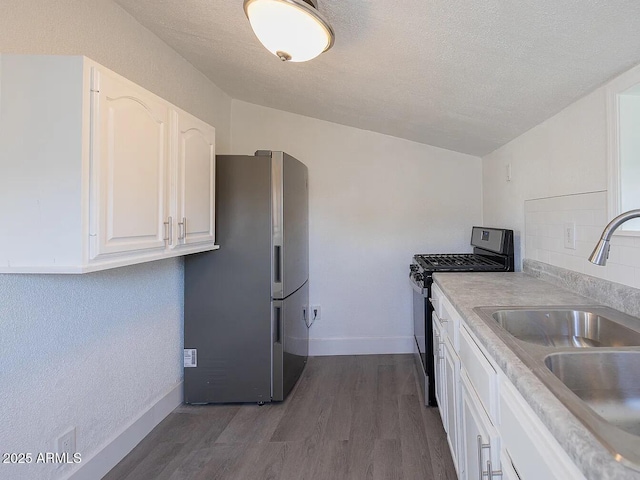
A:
(466, 75)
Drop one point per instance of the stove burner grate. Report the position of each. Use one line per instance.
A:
(456, 261)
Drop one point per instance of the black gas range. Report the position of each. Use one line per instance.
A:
(493, 251)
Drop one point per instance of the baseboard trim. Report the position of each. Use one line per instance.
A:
(360, 345)
(119, 446)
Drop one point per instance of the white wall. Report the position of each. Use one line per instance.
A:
(89, 351)
(375, 200)
(96, 351)
(559, 171)
(563, 155)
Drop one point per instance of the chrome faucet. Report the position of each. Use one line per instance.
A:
(601, 252)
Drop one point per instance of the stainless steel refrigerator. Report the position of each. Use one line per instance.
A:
(246, 304)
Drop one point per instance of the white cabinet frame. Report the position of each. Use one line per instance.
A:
(88, 164)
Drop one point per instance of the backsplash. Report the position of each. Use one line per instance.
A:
(545, 219)
(615, 295)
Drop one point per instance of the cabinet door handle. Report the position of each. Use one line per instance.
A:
(480, 471)
(439, 350)
(482, 446)
(169, 230)
(489, 473)
(183, 229)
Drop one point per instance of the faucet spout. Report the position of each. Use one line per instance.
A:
(601, 252)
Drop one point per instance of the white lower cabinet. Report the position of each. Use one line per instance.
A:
(534, 452)
(492, 432)
(438, 368)
(508, 470)
(452, 386)
(447, 370)
(97, 172)
(480, 441)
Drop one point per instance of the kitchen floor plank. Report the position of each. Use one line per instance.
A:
(260, 461)
(349, 417)
(416, 459)
(387, 458)
(339, 422)
(216, 462)
(331, 462)
(253, 424)
(361, 460)
(441, 462)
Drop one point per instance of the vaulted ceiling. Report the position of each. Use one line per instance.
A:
(465, 75)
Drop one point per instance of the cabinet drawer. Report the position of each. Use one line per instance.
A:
(481, 373)
(452, 322)
(436, 299)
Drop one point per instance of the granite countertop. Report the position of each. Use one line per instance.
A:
(469, 290)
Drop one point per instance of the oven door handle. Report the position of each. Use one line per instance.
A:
(418, 288)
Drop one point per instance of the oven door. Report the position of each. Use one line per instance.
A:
(420, 334)
(423, 335)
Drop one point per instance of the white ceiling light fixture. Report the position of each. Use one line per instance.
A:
(293, 30)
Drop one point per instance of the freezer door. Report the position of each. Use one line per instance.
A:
(290, 340)
(290, 200)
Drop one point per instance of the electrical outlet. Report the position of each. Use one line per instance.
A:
(66, 442)
(570, 236)
(315, 313)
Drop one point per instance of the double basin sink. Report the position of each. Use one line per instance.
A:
(589, 357)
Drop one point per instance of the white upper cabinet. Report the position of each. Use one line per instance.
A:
(195, 181)
(129, 160)
(97, 172)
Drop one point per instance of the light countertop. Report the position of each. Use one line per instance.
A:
(469, 290)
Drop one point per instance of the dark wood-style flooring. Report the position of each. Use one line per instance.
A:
(348, 418)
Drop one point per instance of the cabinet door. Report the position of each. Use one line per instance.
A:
(451, 367)
(195, 181)
(479, 440)
(438, 370)
(533, 451)
(129, 152)
(508, 471)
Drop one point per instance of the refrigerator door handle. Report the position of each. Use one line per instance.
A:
(277, 264)
(277, 327)
(277, 351)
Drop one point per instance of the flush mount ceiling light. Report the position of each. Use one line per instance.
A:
(292, 30)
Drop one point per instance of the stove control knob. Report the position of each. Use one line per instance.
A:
(413, 267)
(419, 277)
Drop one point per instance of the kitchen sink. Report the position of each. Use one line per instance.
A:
(608, 382)
(565, 328)
(589, 358)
